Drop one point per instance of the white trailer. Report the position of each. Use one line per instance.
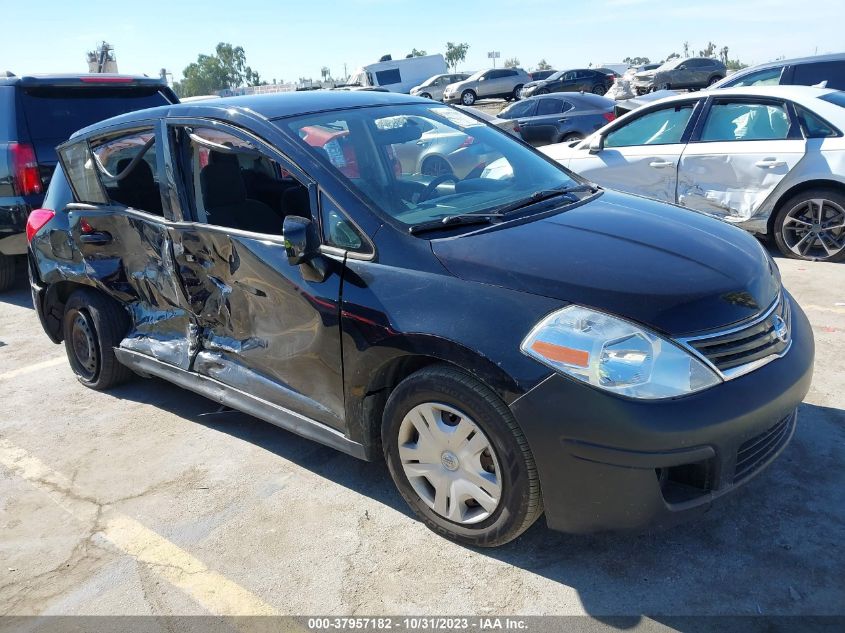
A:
(398, 75)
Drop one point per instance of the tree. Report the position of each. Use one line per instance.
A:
(636, 61)
(672, 56)
(708, 51)
(415, 53)
(226, 69)
(543, 65)
(455, 54)
(513, 62)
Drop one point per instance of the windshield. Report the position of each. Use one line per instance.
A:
(431, 80)
(670, 64)
(556, 76)
(419, 163)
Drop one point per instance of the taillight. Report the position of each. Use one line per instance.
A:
(26, 179)
(609, 116)
(36, 220)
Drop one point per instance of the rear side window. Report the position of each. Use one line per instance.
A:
(8, 125)
(661, 127)
(387, 77)
(549, 106)
(55, 113)
(736, 121)
(520, 108)
(127, 171)
(79, 166)
(765, 77)
(811, 74)
(813, 126)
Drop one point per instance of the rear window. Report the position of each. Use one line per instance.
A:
(387, 77)
(7, 118)
(56, 113)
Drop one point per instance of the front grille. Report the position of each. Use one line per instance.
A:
(756, 452)
(746, 344)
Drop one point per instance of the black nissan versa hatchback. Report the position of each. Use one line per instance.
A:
(511, 344)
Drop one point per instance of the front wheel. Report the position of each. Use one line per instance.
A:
(516, 95)
(425, 95)
(459, 459)
(811, 226)
(571, 137)
(93, 325)
(664, 86)
(468, 97)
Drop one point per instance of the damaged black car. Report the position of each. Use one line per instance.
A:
(513, 341)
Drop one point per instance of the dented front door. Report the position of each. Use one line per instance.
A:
(266, 328)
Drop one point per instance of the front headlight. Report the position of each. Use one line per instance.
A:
(616, 355)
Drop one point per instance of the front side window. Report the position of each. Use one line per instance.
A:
(660, 127)
(549, 106)
(236, 185)
(127, 170)
(737, 121)
(417, 163)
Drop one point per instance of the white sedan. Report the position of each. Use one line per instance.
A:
(769, 159)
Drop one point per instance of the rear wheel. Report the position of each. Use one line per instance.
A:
(459, 459)
(7, 271)
(811, 226)
(425, 95)
(93, 326)
(713, 80)
(436, 166)
(517, 93)
(467, 97)
(572, 136)
(599, 89)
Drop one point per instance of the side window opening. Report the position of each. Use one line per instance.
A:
(661, 127)
(127, 171)
(78, 164)
(813, 126)
(736, 121)
(236, 186)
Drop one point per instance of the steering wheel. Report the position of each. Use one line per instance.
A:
(434, 184)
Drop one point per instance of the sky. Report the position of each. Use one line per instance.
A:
(287, 40)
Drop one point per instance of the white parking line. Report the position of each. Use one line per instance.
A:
(216, 593)
(28, 369)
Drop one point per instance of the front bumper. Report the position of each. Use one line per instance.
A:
(452, 98)
(608, 463)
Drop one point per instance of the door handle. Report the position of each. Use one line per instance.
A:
(661, 163)
(97, 237)
(769, 163)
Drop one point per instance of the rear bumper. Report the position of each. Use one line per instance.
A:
(607, 463)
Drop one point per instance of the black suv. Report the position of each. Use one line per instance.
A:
(511, 342)
(36, 114)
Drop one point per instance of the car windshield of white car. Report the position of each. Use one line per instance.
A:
(418, 163)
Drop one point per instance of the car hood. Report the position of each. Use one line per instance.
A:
(534, 84)
(459, 84)
(671, 269)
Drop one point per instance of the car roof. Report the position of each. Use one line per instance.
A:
(271, 106)
(811, 59)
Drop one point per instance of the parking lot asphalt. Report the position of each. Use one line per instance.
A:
(147, 500)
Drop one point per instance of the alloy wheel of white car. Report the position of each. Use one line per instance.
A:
(815, 229)
(468, 97)
(450, 463)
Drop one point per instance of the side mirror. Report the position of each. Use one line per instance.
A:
(596, 144)
(301, 240)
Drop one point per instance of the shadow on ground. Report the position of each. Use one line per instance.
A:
(773, 547)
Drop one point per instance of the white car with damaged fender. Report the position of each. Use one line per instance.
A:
(768, 159)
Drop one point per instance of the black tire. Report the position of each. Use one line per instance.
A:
(436, 166)
(521, 501)
(664, 86)
(714, 79)
(572, 136)
(7, 272)
(425, 95)
(599, 89)
(468, 97)
(542, 91)
(515, 94)
(93, 325)
(793, 206)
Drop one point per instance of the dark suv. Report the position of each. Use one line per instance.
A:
(512, 341)
(36, 114)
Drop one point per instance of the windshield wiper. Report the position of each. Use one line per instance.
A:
(543, 194)
(459, 219)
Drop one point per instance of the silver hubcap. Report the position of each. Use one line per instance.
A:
(449, 463)
(468, 99)
(815, 229)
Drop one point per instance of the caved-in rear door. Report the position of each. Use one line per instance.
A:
(124, 241)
